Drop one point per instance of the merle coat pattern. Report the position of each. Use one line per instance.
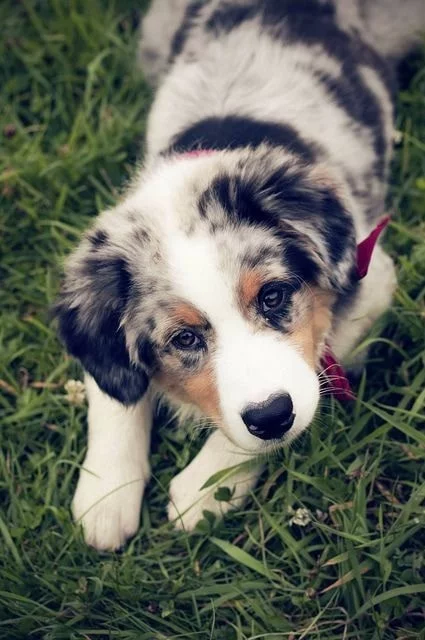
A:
(230, 261)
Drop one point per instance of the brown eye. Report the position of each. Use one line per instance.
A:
(186, 340)
(272, 298)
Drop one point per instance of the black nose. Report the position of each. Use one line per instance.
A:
(271, 419)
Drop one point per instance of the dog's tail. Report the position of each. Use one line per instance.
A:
(394, 26)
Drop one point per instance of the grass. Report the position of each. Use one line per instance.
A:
(72, 118)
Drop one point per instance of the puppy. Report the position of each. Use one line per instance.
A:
(229, 265)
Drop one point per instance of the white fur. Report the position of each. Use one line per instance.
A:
(219, 76)
(249, 366)
(253, 367)
(187, 501)
(212, 87)
(374, 298)
(376, 85)
(115, 471)
(157, 31)
(394, 26)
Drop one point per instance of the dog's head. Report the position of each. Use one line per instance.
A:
(216, 277)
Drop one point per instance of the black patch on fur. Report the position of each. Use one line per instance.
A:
(298, 200)
(236, 132)
(337, 223)
(141, 235)
(100, 346)
(313, 23)
(300, 260)
(229, 16)
(110, 275)
(347, 296)
(182, 33)
(236, 197)
(286, 201)
(300, 17)
(271, 12)
(99, 238)
(146, 352)
(307, 21)
(92, 330)
(151, 324)
(351, 95)
(385, 69)
(244, 202)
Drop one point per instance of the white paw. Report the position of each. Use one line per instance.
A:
(187, 502)
(108, 506)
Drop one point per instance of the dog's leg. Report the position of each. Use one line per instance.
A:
(187, 501)
(115, 471)
(373, 299)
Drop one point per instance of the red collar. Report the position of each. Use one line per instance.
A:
(337, 380)
(197, 153)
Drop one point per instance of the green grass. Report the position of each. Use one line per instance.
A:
(72, 119)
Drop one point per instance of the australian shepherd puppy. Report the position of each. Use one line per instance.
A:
(229, 265)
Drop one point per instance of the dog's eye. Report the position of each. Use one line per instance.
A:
(272, 297)
(187, 339)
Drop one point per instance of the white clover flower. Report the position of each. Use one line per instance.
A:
(301, 517)
(397, 136)
(75, 392)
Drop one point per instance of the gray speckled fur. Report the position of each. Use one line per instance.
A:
(217, 74)
(314, 73)
(392, 26)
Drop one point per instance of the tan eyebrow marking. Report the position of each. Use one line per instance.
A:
(185, 314)
(250, 283)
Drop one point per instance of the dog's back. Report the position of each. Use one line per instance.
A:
(390, 26)
(315, 76)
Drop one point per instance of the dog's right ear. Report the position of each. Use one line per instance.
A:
(90, 311)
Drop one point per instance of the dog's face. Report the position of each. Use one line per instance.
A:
(216, 277)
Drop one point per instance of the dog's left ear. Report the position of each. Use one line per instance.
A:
(308, 207)
(308, 201)
(90, 311)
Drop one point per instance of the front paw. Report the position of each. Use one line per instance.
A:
(188, 502)
(186, 506)
(108, 507)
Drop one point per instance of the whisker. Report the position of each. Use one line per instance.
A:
(323, 371)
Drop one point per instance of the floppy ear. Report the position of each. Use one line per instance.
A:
(90, 310)
(308, 209)
(313, 212)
